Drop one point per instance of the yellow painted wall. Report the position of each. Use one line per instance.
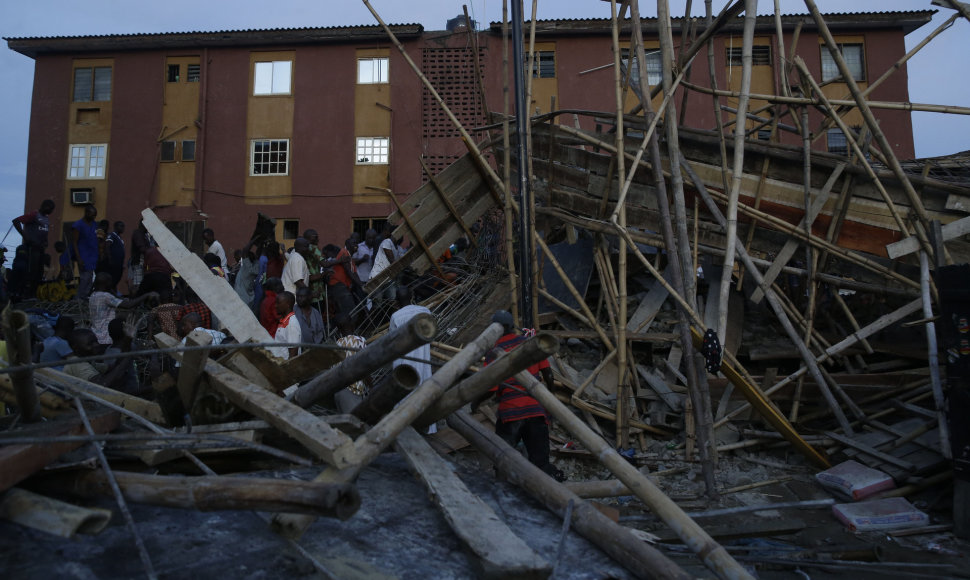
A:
(180, 110)
(544, 90)
(89, 123)
(269, 117)
(762, 80)
(372, 118)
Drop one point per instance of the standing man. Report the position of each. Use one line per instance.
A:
(116, 253)
(140, 242)
(295, 272)
(288, 329)
(33, 228)
(311, 321)
(84, 244)
(212, 246)
(520, 417)
(314, 263)
(343, 277)
(364, 256)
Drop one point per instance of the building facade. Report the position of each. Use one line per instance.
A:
(316, 127)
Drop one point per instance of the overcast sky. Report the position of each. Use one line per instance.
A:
(938, 74)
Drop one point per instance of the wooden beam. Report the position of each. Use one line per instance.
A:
(217, 294)
(316, 435)
(148, 409)
(447, 202)
(500, 553)
(50, 515)
(909, 245)
(17, 462)
(193, 363)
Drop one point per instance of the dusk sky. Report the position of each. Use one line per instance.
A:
(931, 77)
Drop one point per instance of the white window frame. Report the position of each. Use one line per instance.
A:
(654, 67)
(273, 77)
(373, 150)
(253, 162)
(830, 70)
(373, 70)
(87, 161)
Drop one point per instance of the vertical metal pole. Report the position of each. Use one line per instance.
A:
(522, 148)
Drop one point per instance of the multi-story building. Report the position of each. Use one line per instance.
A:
(315, 126)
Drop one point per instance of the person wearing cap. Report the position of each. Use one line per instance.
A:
(521, 417)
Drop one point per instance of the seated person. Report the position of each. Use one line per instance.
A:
(56, 347)
(192, 321)
(311, 321)
(194, 304)
(121, 342)
(84, 343)
(103, 305)
(215, 264)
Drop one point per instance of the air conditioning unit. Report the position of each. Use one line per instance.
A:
(82, 196)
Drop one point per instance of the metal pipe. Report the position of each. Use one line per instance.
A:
(521, 118)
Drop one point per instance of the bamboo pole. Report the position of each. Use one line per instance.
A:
(933, 351)
(617, 541)
(533, 255)
(508, 212)
(775, 305)
(714, 556)
(737, 173)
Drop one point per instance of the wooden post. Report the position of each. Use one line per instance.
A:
(532, 351)
(714, 556)
(16, 329)
(640, 558)
(395, 385)
(211, 493)
(193, 363)
(499, 552)
(418, 331)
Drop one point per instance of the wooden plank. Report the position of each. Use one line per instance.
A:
(148, 409)
(659, 386)
(217, 294)
(443, 198)
(748, 528)
(909, 245)
(500, 553)
(788, 250)
(312, 432)
(18, 462)
(868, 450)
(650, 305)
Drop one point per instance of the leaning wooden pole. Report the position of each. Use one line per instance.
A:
(395, 344)
(750, 16)
(934, 357)
(16, 329)
(637, 556)
(714, 556)
(395, 385)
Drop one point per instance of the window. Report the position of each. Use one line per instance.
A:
(543, 64)
(270, 156)
(188, 150)
(852, 54)
(272, 78)
(92, 84)
(764, 134)
(760, 55)
(654, 67)
(291, 229)
(173, 73)
(361, 225)
(87, 161)
(168, 151)
(372, 70)
(193, 73)
(372, 150)
(837, 143)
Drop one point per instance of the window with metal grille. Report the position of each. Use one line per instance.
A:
(87, 161)
(92, 84)
(188, 150)
(543, 64)
(837, 142)
(173, 73)
(853, 56)
(270, 157)
(760, 55)
(373, 150)
(764, 134)
(272, 78)
(372, 70)
(193, 73)
(168, 151)
(654, 67)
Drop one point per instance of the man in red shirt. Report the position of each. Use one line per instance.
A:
(520, 417)
(343, 277)
(28, 266)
